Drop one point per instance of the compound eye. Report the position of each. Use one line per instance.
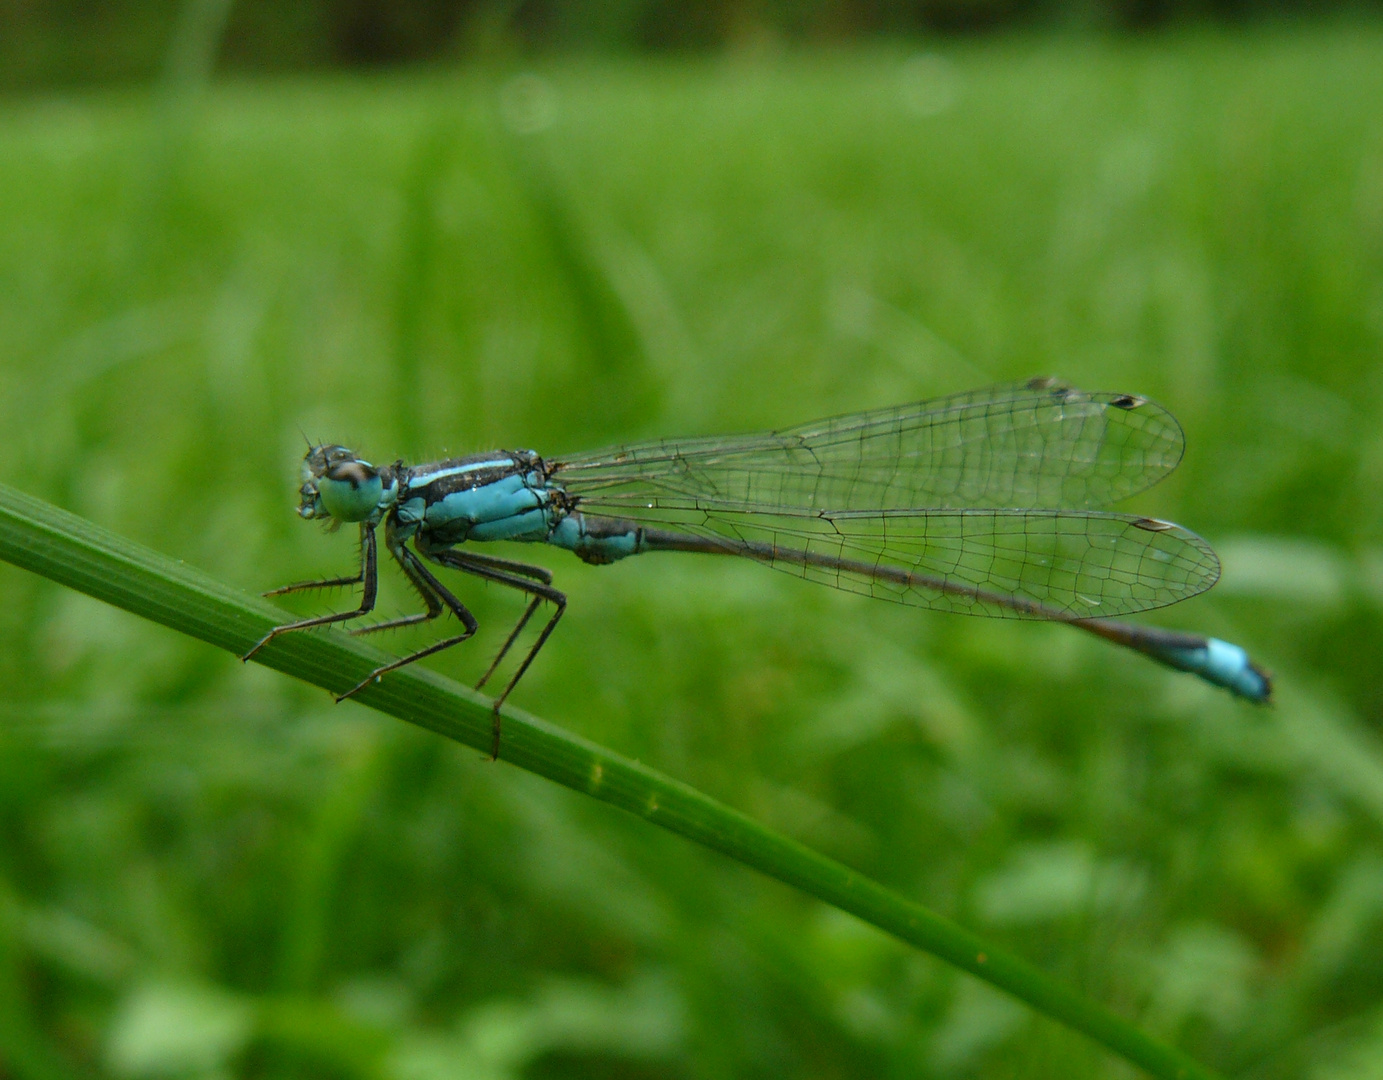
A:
(321, 458)
(351, 470)
(350, 491)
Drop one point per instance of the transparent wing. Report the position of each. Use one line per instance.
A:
(1038, 444)
(973, 503)
(1008, 563)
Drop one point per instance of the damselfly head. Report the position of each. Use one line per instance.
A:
(338, 485)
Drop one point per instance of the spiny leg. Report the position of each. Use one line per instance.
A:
(369, 576)
(423, 586)
(514, 575)
(300, 586)
(494, 562)
(507, 572)
(477, 563)
(434, 595)
(509, 641)
(507, 566)
(327, 583)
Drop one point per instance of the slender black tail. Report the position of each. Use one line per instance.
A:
(1219, 663)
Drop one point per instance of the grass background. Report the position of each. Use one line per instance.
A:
(207, 870)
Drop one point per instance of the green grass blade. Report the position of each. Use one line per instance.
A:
(83, 556)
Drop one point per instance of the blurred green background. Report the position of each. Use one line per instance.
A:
(207, 870)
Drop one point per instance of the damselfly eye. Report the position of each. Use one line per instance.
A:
(321, 458)
(351, 471)
(350, 491)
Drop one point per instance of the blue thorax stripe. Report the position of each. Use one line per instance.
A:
(422, 479)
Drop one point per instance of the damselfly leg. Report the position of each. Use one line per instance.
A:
(533, 580)
(368, 577)
(436, 597)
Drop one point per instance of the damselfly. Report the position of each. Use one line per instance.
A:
(986, 503)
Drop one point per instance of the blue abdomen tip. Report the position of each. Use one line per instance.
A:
(1228, 665)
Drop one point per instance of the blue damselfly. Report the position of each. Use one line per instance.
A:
(985, 503)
